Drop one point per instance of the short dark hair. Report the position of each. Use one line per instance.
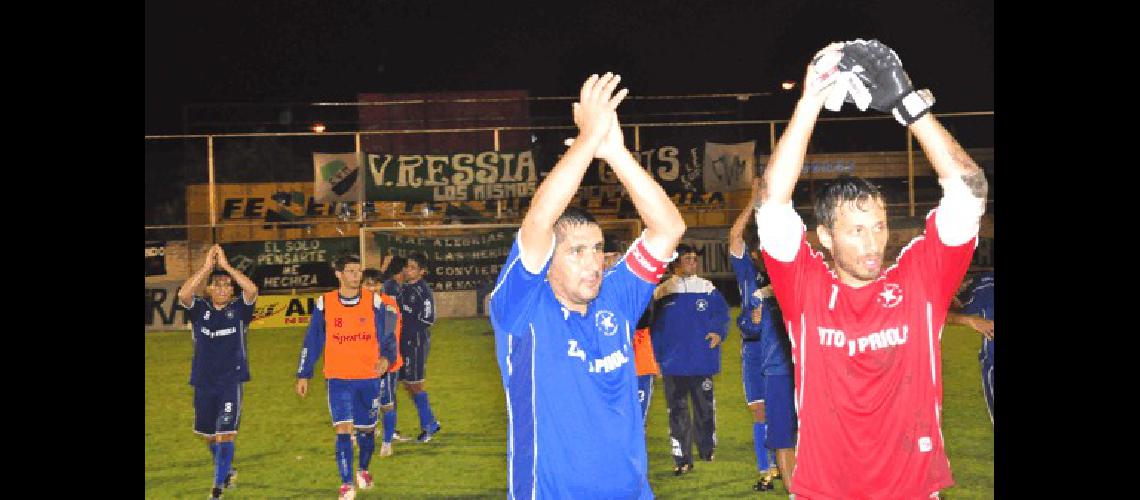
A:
(419, 258)
(685, 248)
(572, 216)
(395, 266)
(344, 260)
(217, 273)
(845, 188)
(372, 274)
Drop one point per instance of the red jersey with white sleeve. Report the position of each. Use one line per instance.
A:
(868, 368)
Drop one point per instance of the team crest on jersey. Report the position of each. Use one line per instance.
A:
(702, 304)
(229, 314)
(605, 322)
(891, 295)
(207, 316)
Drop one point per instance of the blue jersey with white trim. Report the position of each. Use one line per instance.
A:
(978, 298)
(685, 310)
(418, 308)
(775, 350)
(220, 342)
(575, 427)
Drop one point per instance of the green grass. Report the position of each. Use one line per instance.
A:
(285, 444)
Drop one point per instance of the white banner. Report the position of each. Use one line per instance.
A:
(336, 177)
(729, 167)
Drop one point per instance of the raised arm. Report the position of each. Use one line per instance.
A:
(664, 225)
(736, 233)
(186, 291)
(964, 185)
(248, 289)
(594, 115)
(949, 159)
(788, 157)
(778, 226)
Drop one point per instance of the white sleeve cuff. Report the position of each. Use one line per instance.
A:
(780, 230)
(191, 305)
(959, 213)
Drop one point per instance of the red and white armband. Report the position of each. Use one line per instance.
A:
(643, 264)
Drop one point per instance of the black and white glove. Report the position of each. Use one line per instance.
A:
(880, 71)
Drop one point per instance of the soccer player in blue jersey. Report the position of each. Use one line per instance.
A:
(564, 323)
(690, 320)
(354, 329)
(392, 268)
(765, 356)
(643, 359)
(418, 309)
(373, 281)
(977, 312)
(218, 325)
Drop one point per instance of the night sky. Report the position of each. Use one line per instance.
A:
(258, 52)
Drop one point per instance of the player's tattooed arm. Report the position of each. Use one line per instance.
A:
(946, 155)
(976, 181)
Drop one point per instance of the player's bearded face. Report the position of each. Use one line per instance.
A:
(576, 270)
(858, 241)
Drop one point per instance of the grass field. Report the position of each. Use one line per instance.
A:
(285, 444)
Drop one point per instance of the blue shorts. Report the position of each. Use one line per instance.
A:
(217, 410)
(751, 371)
(645, 393)
(415, 353)
(388, 388)
(775, 391)
(780, 412)
(986, 357)
(356, 401)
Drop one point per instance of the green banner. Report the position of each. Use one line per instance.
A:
(276, 265)
(489, 175)
(466, 262)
